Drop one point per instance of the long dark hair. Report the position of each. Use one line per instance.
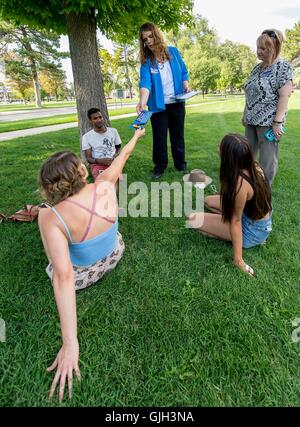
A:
(236, 156)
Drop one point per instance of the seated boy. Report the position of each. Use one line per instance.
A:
(101, 144)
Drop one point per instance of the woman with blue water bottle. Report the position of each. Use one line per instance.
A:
(267, 92)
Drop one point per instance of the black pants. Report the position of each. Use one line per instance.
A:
(171, 118)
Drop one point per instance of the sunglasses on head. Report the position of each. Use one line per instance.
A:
(270, 34)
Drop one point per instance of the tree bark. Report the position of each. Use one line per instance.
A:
(37, 88)
(88, 83)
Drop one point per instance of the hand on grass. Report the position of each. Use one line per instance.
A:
(65, 363)
(245, 268)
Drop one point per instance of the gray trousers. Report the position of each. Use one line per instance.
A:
(268, 151)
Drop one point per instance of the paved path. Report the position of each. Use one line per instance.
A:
(11, 116)
(4, 136)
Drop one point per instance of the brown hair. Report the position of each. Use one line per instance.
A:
(160, 47)
(236, 156)
(272, 41)
(60, 178)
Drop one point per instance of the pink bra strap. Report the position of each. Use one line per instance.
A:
(91, 211)
(91, 216)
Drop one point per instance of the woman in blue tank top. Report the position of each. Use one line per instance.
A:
(81, 240)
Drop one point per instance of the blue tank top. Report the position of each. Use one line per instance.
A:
(87, 252)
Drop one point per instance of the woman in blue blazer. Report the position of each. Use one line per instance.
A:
(163, 75)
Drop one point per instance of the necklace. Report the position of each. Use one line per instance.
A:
(161, 65)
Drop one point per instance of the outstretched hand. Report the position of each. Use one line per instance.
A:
(65, 363)
(245, 268)
(140, 132)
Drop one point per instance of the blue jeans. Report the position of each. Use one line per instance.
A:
(255, 232)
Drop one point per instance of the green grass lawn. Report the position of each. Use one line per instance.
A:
(68, 118)
(175, 324)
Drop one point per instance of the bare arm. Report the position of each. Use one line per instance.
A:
(56, 246)
(284, 94)
(144, 95)
(112, 173)
(235, 227)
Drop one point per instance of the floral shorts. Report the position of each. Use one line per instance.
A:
(87, 275)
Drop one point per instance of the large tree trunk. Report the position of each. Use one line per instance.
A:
(88, 82)
(37, 88)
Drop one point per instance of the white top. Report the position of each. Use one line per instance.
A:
(103, 145)
(167, 82)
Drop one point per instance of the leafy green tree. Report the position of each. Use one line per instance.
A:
(117, 19)
(106, 60)
(240, 59)
(126, 64)
(226, 76)
(18, 77)
(291, 50)
(197, 36)
(204, 73)
(35, 50)
(291, 46)
(53, 81)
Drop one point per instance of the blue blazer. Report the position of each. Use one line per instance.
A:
(150, 79)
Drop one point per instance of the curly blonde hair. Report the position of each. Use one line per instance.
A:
(271, 40)
(60, 177)
(160, 47)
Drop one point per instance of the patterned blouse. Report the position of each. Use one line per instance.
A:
(261, 90)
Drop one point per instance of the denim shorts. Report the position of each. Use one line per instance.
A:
(255, 232)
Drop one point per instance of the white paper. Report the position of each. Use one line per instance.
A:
(186, 95)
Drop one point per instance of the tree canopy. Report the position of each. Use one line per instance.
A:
(291, 47)
(117, 19)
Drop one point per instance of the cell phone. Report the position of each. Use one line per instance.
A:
(270, 134)
(141, 120)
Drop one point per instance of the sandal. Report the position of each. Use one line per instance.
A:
(28, 214)
(2, 217)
